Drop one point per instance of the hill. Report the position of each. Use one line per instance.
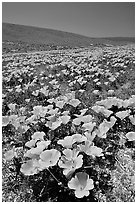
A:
(36, 35)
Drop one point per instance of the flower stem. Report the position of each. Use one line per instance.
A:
(86, 167)
(59, 183)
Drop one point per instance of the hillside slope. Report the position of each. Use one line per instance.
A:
(29, 34)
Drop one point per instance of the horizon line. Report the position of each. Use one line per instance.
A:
(35, 26)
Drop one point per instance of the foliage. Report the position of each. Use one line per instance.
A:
(65, 137)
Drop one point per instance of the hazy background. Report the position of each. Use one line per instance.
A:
(99, 19)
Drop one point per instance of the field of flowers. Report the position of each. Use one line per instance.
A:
(69, 125)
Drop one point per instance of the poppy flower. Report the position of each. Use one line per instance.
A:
(49, 158)
(65, 119)
(38, 136)
(54, 125)
(105, 126)
(9, 155)
(106, 83)
(96, 92)
(39, 111)
(81, 184)
(110, 92)
(60, 104)
(64, 113)
(74, 102)
(132, 119)
(90, 136)
(95, 80)
(129, 102)
(14, 120)
(53, 111)
(77, 121)
(103, 110)
(112, 78)
(81, 90)
(27, 100)
(35, 93)
(89, 126)
(83, 111)
(51, 100)
(87, 118)
(110, 101)
(130, 136)
(68, 141)
(70, 95)
(30, 167)
(123, 114)
(12, 106)
(30, 143)
(33, 152)
(70, 161)
(43, 144)
(45, 90)
(90, 149)
(5, 120)
(81, 118)
(98, 83)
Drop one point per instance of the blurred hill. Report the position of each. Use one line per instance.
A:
(36, 35)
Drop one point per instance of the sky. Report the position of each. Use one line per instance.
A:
(93, 19)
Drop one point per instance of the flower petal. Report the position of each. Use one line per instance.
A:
(79, 161)
(74, 183)
(30, 143)
(82, 178)
(50, 157)
(68, 153)
(81, 194)
(89, 185)
(130, 136)
(38, 136)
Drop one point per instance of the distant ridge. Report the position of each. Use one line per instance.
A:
(30, 34)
